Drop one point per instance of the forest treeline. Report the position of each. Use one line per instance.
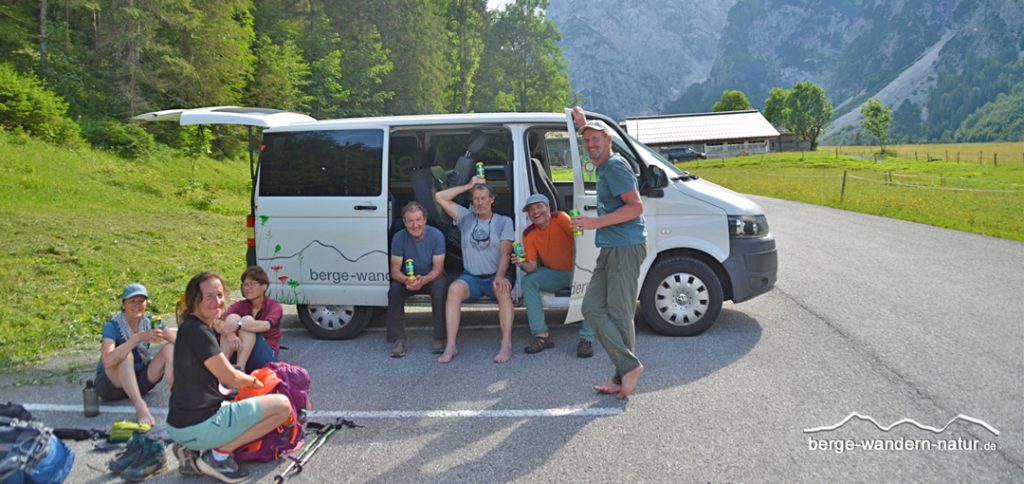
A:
(108, 60)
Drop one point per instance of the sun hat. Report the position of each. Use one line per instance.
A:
(132, 290)
(536, 198)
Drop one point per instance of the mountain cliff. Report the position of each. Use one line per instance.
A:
(934, 62)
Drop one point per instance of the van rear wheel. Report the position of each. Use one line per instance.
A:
(681, 296)
(334, 321)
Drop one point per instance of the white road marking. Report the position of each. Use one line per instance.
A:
(521, 413)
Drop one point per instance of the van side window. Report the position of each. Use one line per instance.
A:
(322, 163)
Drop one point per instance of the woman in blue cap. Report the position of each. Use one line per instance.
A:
(126, 368)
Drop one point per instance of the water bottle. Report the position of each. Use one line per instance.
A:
(90, 400)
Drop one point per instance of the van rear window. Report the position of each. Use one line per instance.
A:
(322, 163)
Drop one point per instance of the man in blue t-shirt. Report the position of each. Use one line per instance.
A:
(610, 301)
(424, 245)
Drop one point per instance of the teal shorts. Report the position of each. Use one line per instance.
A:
(224, 426)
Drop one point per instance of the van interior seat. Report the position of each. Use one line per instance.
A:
(542, 183)
(424, 186)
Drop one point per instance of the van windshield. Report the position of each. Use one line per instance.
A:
(647, 153)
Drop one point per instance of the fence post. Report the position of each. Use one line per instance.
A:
(995, 159)
(947, 156)
(915, 156)
(958, 157)
(837, 152)
(981, 156)
(842, 191)
(942, 179)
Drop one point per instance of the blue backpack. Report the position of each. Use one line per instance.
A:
(30, 453)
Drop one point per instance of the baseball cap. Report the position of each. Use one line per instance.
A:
(535, 198)
(134, 289)
(598, 125)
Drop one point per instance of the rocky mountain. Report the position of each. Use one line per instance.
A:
(633, 58)
(934, 62)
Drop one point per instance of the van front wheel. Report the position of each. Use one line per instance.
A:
(334, 322)
(681, 296)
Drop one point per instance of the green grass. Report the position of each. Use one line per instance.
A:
(79, 225)
(983, 199)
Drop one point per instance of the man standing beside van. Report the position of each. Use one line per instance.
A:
(423, 245)
(486, 244)
(548, 246)
(610, 301)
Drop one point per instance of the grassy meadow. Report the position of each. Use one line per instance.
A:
(79, 225)
(981, 198)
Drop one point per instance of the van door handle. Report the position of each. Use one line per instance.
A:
(589, 207)
(366, 207)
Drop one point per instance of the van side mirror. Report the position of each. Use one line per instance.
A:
(655, 180)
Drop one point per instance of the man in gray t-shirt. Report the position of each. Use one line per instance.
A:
(486, 245)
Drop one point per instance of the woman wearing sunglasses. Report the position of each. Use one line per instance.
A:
(486, 245)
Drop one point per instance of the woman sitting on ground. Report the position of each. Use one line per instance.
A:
(196, 419)
(252, 327)
(126, 368)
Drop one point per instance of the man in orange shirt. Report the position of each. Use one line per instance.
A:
(548, 245)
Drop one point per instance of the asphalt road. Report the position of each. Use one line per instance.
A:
(889, 319)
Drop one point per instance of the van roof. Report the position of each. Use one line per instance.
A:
(423, 120)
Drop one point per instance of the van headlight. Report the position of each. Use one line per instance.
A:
(748, 226)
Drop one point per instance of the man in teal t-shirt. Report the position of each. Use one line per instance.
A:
(610, 300)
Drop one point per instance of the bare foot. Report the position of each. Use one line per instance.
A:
(629, 381)
(608, 388)
(447, 355)
(504, 355)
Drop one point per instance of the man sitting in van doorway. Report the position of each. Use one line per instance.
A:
(548, 245)
(486, 245)
(424, 246)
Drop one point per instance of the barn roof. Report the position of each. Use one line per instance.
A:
(700, 127)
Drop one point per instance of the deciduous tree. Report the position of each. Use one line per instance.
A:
(807, 112)
(732, 101)
(876, 119)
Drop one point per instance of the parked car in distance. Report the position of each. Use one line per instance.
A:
(684, 154)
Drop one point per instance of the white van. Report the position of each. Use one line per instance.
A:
(327, 197)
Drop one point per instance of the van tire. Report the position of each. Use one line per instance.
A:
(334, 321)
(681, 296)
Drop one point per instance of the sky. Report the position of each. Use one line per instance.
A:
(497, 4)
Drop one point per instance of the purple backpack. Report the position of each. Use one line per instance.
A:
(294, 384)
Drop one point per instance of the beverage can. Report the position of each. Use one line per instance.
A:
(410, 269)
(518, 249)
(154, 322)
(576, 230)
(480, 168)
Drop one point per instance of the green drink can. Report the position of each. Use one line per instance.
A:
(154, 322)
(518, 249)
(576, 230)
(410, 269)
(480, 168)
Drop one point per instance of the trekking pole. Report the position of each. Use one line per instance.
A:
(299, 463)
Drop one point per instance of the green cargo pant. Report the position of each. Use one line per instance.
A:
(610, 303)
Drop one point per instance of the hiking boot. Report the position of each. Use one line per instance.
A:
(186, 460)
(398, 348)
(437, 347)
(539, 343)
(225, 471)
(584, 349)
(131, 453)
(151, 461)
